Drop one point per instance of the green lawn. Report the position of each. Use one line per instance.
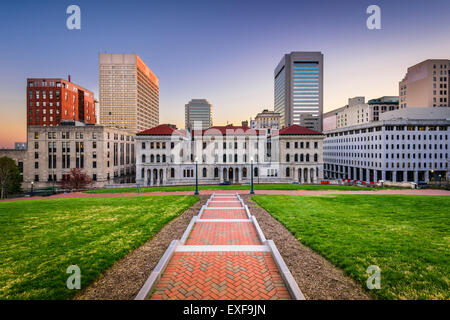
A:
(408, 237)
(39, 239)
(237, 187)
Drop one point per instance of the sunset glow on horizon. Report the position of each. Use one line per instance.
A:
(225, 52)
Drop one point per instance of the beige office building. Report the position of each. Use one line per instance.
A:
(107, 155)
(268, 120)
(358, 112)
(129, 93)
(426, 84)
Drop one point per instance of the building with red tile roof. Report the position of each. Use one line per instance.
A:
(166, 156)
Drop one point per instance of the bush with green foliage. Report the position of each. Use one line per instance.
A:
(10, 180)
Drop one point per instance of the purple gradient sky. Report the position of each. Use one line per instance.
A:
(224, 51)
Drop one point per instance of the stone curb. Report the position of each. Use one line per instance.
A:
(188, 230)
(222, 248)
(258, 230)
(154, 277)
(289, 280)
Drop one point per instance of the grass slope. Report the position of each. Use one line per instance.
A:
(39, 239)
(408, 237)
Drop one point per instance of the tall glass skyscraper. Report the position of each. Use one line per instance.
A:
(299, 89)
(198, 114)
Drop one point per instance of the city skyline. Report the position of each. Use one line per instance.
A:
(230, 63)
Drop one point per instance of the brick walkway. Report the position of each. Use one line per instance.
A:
(222, 256)
(423, 192)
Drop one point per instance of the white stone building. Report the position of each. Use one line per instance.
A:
(166, 156)
(405, 145)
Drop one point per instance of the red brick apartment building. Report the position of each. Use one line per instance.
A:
(52, 100)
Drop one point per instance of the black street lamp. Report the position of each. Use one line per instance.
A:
(252, 191)
(196, 176)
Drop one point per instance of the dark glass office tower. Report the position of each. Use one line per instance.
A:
(299, 89)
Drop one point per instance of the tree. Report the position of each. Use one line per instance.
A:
(10, 180)
(77, 179)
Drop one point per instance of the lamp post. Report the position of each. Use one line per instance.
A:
(53, 180)
(251, 175)
(196, 176)
(32, 185)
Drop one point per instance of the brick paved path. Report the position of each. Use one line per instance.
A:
(423, 192)
(223, 256)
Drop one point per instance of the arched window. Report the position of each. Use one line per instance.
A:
(172, 172)
(288, 172)
(164, 158)
(307, 157)
(224, 158)
(143, 158)
(158, 158)
(296, 157)
(301, 158)
(204, 172)
(244, 172)
(255, 172)
(287, 158)
(152, 158)
(316, 157)
(216, 172)
(142, 173)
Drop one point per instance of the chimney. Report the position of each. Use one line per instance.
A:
(69, 77)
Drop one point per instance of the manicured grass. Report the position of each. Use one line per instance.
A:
(408, 237)
(237, 187)
(39, 239)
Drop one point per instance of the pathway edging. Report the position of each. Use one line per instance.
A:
(180, 247)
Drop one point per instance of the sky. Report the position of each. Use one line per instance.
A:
(223, 51)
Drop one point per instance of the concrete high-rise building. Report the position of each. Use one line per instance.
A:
(299, 90)
(53, 100)
(426, 84)
(129, 92)
(198, 112)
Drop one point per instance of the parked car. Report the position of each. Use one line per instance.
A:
(225, 183)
